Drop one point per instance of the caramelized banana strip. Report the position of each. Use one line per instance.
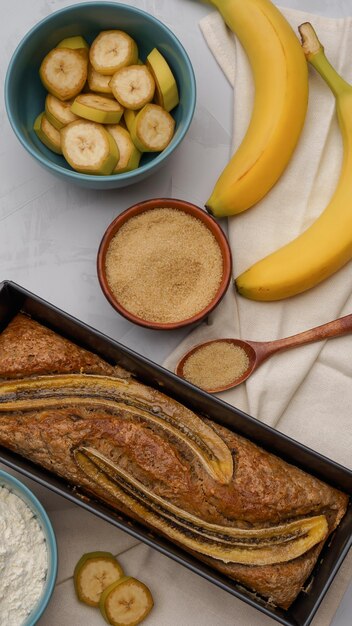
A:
(40, 404)
(219, 542)
(103, 391)
(278, 534)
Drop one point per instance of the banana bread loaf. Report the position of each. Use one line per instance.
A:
(246, 512)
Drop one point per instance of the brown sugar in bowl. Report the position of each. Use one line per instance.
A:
(165, 203)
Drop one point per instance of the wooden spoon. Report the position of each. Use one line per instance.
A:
(259, 351)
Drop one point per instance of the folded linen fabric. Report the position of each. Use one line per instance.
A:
(307, 392)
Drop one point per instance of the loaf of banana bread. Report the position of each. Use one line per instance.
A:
(245, 512)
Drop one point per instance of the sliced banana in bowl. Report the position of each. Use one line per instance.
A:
(129, 154)
(59, 112)
(137, 54)
(152, 128)
(166, 90)
(63, 72)
(112, 49)
(72, 126)
(75, 43)
(133, 86)
(47, 133)
(98, 82)
(89, 148)
(97, 108)
(129, 118)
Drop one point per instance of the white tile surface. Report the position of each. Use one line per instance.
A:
(49, 234)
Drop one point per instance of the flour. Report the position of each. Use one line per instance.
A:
(23, 559)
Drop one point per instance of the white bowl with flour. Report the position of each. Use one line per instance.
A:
(28, 555)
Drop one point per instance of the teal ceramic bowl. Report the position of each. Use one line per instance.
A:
(25, 95)
(18, 488)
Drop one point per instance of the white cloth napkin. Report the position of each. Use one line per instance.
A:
(307, 392)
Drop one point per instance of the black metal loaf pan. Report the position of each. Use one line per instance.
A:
(14, 298)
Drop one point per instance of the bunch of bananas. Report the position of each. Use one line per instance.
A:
(279, 65)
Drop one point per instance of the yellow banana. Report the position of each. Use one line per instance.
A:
(326, 245)
(281, 97)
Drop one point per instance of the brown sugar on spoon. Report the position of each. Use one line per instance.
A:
(164, 265)
(215, 365)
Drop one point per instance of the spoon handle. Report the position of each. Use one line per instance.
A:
(336, 328)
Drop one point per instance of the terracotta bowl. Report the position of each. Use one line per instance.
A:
(171, 203)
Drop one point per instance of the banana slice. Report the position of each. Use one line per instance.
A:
(166, 92)
(97, 108)
(98, 82)
(152, 128)
(58, 112)
(129, 155)
(89, 148)
(126, 602)
(111, 50)
(129, 118)
(47, 133)
(63, 72)
(133, 86)
(75, 43)
(94, 572)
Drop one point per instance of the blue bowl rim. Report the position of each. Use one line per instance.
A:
(90, 177)
(43, 601)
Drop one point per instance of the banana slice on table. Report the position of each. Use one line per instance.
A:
(47, 133)
(89, 148)
(97, 108)
(129, 155)
(112, 49)
(63, 72)
(58, 112)
(152, 128)
(166, 91)
(126, 602)
(94, 572)
(98, 82)
(133, 86)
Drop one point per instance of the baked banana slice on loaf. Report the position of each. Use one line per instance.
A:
(244, 511)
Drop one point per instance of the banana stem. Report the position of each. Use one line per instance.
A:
(315, 54)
